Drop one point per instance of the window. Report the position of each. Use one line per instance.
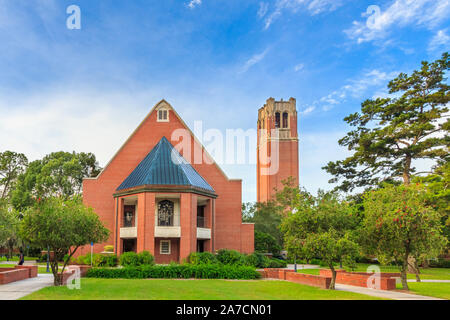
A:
(277, 120)
(129, 217)
(285, 120)
(163, 115)
(164, 247)
(165, 213)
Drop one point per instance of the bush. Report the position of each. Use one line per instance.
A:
(198, 258)
(145, 258)
(276, 263)
(230, 257)
(129, 259)
(108, 248)
(188, 271)
(257, 260)
(440, 263)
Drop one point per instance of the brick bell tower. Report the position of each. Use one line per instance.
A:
(277, 146)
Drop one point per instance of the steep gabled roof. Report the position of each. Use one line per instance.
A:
(164, 166)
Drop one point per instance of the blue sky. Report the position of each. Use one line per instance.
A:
(213, 60)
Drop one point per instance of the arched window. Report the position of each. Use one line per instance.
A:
(165, 213)
(285, 120)
(277, 120)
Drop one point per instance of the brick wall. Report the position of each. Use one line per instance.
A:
(8, 275)
(292, 276)
(359, 279)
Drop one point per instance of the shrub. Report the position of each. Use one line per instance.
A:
(204, 271)
(257, 260)
(108, 248)
(129, 259)
(276, 263)
(230, 257)
(440, 263)
(145, 258)
(198, 258)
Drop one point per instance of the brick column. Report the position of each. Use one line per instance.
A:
(146, 222)
(188, 221)
(119, 225)
(208, 224)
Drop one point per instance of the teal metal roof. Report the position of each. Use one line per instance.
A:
(164, 166)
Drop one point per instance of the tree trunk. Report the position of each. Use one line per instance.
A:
(406, 171)
(57, 279)
(404, 274)
(333, 278)
(413, 267)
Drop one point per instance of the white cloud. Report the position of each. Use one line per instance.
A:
(263, 8)
(373, 80)
(253, 60)
(441, 40)
(299, 67)
(401, 13)
(313, 7)
(307, 111)
(194, 3)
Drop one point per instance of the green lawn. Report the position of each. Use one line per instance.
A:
(430, 273)
(116, 289)
(432, 289)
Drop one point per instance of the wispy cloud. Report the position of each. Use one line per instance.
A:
(313, 7)
(299, 67)
(263, 8)
(307, 110)
(194, 3)
(441, 40)
(380, 22)
(373, 80)
(254, 60)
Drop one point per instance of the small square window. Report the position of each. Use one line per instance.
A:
(164, 247)
(163, 116)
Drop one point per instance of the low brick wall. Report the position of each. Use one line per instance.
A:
(301, 278)
(8, 275)
(83, 271)
(359, 279)
(32, 270)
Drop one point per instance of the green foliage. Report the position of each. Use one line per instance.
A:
(257, 260)
(399, 223)
(321, 227)
(98, 260)
(440, 263)
(63, 226)
(187, 271)
(132, 259)
(59, 174)
(230, 257)
(198, 258)
(109, 248)
(266, 243)
(145, 258)
(392, 132)
(12, 164)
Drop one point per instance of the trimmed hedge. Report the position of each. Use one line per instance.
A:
(205, 271)
(133, 259)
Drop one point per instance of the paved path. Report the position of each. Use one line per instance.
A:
(302, 266)
(395, 295)
(19, 289)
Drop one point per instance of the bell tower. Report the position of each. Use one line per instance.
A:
(277, 146)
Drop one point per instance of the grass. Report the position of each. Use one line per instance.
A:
(429, 273)
(115, 289)
(16, 258)
(432, 289)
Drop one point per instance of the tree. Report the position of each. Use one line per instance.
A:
(12, 164)
(321, 227)
(9, 223)
(266, 217)
(398, 223)
(62, 226)
(58, 174)
(265, 243)
(390, 133)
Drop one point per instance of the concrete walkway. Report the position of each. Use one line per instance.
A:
(395, 295)
(19, 289)
(302, 266)
(429, 280)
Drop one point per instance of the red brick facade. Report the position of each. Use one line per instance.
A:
(222, 213)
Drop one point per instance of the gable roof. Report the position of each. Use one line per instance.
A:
(165, 166)
(163, 103)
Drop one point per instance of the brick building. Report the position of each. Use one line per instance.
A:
(154, 197)
(277, 147)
